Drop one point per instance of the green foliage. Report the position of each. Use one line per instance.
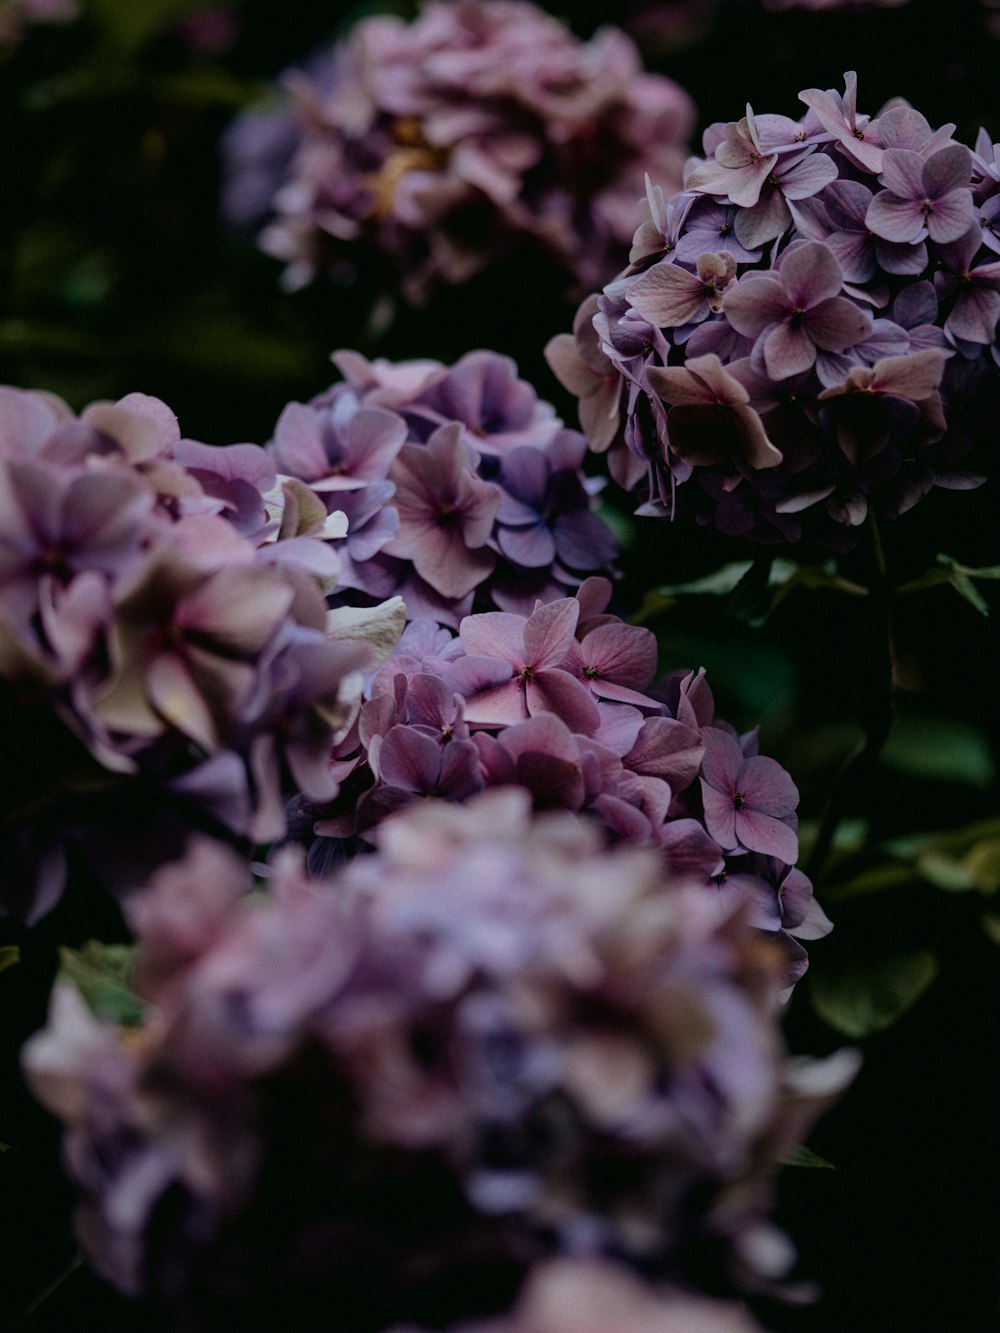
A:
(803, 1156)
(755, 588)
(858, 999)
(940, 748)
(102, 973)
(9, 955)
(960, 577)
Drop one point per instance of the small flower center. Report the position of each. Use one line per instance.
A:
(739, 800)
(591, 672)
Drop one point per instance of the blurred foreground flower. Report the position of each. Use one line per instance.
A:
(488, 1044)
(807, 331)
(166, 658)
(444, 143)
(576, 1296)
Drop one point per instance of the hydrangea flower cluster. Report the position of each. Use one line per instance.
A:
(489, 1044)
(562, 703)
(444, 143)
(807, 330)
(462, 490)
(166, 652)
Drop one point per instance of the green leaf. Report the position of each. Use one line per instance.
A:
(803, 1156)
(944, 872)
(756, 587)
(9, 955)
(858, 1000)
(720, 584)
(982, 864)
(940, 748)
(959, 576)
(991, 924)
(101, 973)
(654, 604)
(750, 601)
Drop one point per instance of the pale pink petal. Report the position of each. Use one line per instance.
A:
(720, 816)
(176, 697)
(916, 376)
(559, 693)
(494, 634)
(549, 632)
(625, 654)
(756, 448)
(836, 324)
(754, 303)
(667, 749)
(951, 216)
(766, 787)
(723, 761)
(788, 350)
(976, 313)
(500, 706)
(765, 834)
(409, 759)
(903, 173)
(947, 170)
(810, 274)
(895, 219)
(809, 176)
(667, 295)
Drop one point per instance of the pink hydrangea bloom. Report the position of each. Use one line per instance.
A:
(563, 703)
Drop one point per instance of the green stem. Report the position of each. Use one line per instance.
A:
(877, 713)
(75, 1263)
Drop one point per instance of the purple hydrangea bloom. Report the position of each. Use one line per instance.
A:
(165, 647)
(461, 489)
(723, 368)
(563, 703)
(566, 1052)
(488, 110)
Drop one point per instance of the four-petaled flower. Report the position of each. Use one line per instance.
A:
(748, 801)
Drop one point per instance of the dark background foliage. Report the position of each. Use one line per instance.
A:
(115, 275)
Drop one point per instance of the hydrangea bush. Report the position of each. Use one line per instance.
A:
(804, 332)
(441, 144)
(562, 1050)
(165, 634)
(461, 488)
(425, 958)
(562, 703)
